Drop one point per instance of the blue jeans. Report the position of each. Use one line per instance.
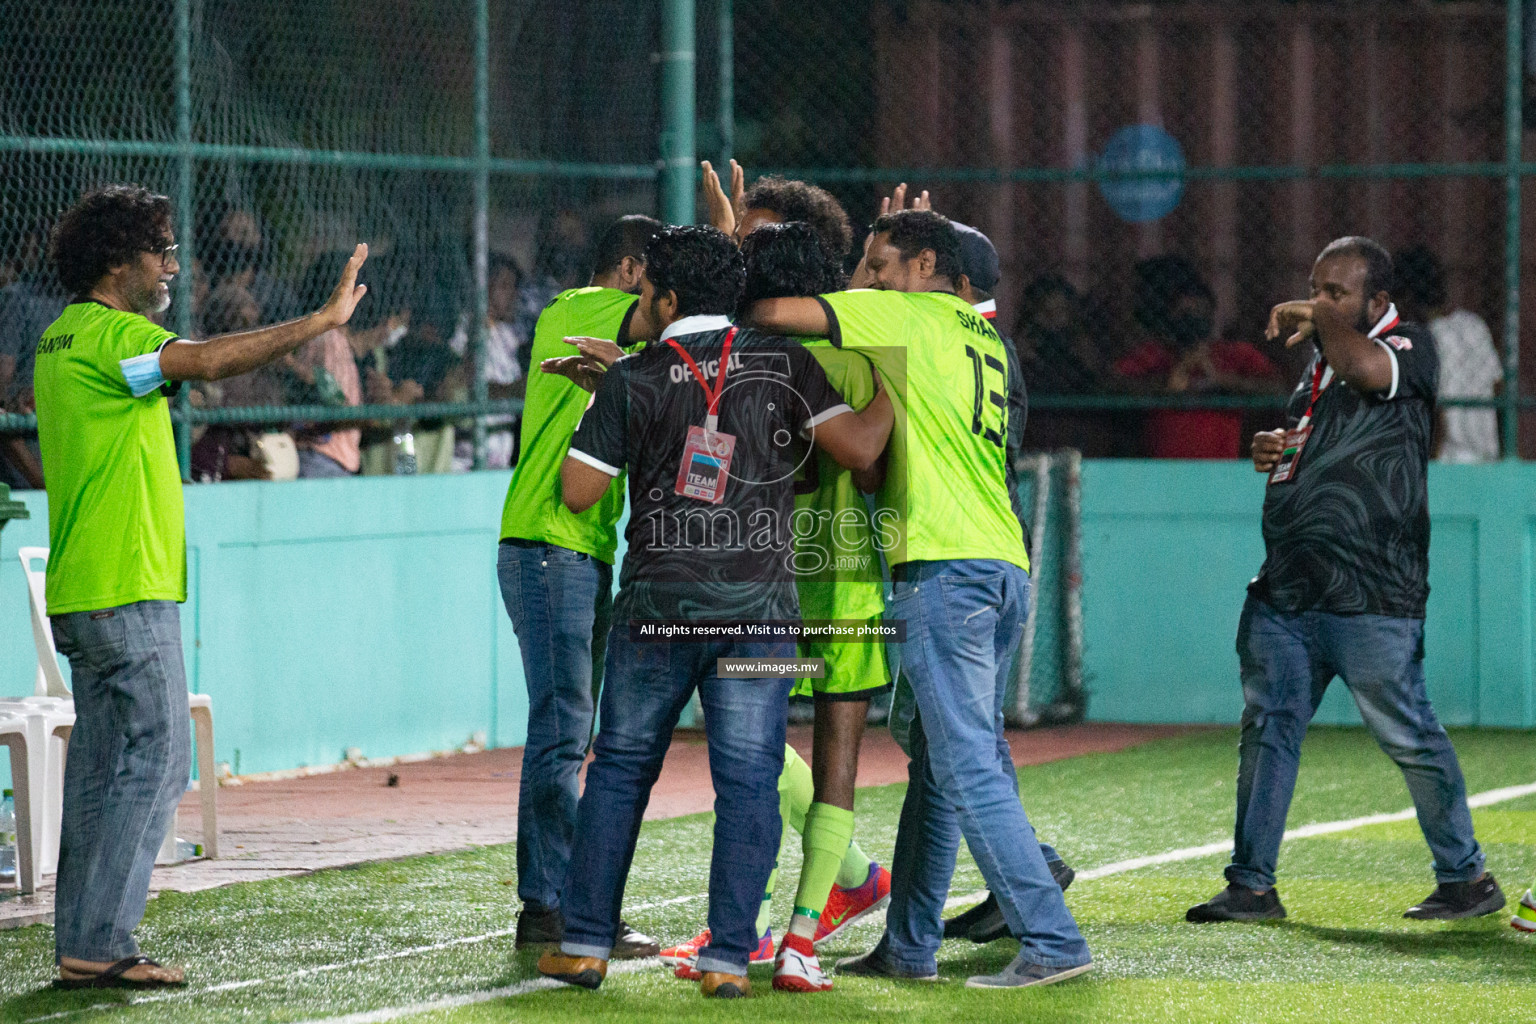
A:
(313, 464)
(904, 713)
(963, 619)
(647, 686)
(1288, 660)
(560, 603)
(130, 756)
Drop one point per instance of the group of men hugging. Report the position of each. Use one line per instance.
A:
(819, 469)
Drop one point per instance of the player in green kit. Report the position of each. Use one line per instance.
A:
(960, 591)
(556, 575)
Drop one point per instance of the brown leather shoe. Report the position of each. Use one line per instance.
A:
(719, 985)
(586, 971)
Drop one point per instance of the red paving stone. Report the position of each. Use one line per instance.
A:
(483, 787)
(276, 827)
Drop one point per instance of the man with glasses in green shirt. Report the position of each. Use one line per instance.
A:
(117, 563)
(556, 572)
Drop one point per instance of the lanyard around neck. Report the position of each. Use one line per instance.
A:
(1322, 376)
(712, 420)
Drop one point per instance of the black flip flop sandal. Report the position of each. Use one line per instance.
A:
(112, 977)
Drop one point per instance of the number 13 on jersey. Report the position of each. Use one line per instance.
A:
(987, 368)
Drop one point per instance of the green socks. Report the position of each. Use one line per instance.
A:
(825, 839)
(854, 871)
(795, 791)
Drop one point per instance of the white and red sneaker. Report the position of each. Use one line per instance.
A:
(848, 906)
(797, 969)
(688, 968)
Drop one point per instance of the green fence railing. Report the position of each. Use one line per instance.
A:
(184, 155)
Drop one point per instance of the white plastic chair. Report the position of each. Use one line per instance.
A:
(52, 697)
(28, 767)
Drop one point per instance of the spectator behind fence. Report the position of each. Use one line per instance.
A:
(1181, 356)
(31, 301)
(1057, 352)
(424, 359)
(506, 360)
(326, 371)
(233, 247)
(559, 261)
(1469, 363)
(232, 452)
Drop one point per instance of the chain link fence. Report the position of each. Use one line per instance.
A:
(286, 133)
(1156, 176)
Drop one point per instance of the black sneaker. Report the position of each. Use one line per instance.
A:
(538, 926)
(959, 926)
(1452, 900)
(632, 945)
(988, 925)
(1237, 903)
(872, 965)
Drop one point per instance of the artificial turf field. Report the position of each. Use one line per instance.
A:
(429, 939)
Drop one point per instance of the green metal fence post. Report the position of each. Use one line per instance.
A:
(1514, 128)
(727, 58)
(184, 219)
(482, 213)
(678, 102)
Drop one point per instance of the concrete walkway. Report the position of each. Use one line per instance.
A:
(269, 829)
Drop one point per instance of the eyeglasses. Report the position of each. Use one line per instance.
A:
(168, 256)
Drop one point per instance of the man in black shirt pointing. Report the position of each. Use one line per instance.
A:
(1344, 583)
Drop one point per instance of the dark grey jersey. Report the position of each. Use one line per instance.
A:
(1350, 533)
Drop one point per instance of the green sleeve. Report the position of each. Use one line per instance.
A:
(866, 318)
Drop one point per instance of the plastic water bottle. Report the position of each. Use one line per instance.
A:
(405, 454)
(8, 837)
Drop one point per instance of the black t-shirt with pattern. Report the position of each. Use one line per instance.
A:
(688, 559)
(1350, 533)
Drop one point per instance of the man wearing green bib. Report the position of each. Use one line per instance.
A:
(117, 563)
(556, 572)
(961, 587)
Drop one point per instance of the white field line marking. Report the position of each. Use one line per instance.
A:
(390, 1013)
(1322, 828)
(1484, 799)
(399, 954)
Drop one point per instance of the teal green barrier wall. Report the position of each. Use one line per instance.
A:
(328, 614)
(1168, 548)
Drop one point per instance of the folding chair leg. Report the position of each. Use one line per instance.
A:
(28, 875)
(207, 780)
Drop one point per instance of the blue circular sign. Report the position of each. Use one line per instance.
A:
(1142, 147)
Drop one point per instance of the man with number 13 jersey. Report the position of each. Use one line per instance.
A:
(960, 587)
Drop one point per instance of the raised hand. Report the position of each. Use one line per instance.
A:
(723, 211)
(897, 201)
(585, 373)
(344, 299)
(1295, 318)
(598, 349)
